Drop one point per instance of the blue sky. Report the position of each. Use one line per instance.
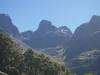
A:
(26, 14)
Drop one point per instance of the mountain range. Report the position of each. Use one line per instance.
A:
(79, 50)
(47, 35)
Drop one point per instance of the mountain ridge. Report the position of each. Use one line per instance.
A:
(59, 42)
(80, 54)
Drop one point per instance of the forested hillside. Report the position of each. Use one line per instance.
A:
(15, 61)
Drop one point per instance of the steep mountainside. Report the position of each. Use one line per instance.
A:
(86, 37)
(13, 61)
(47, 35)
(83, 52)
(86, 62)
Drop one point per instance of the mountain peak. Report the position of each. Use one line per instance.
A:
(95, 19)
(1, 14)
(95, 16)
(45, 22)
(7, 26)
(46, 26)
(64, 29)
(5, 19)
